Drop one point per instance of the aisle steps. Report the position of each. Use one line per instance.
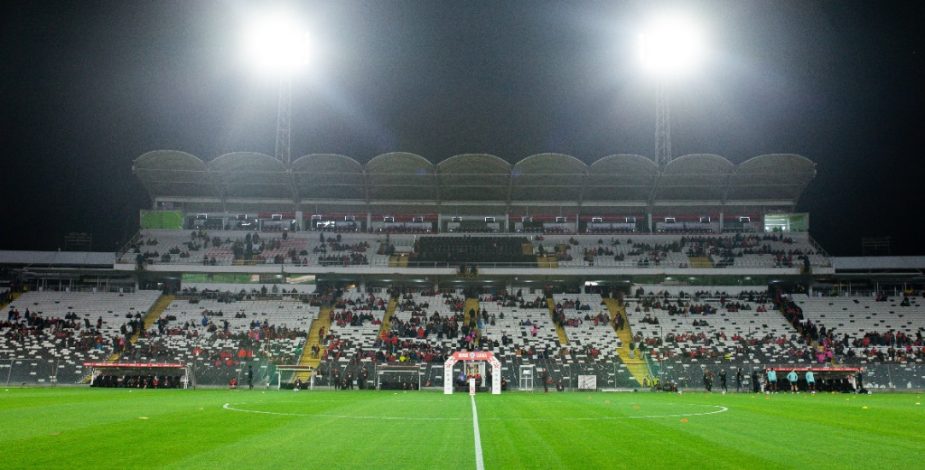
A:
(634, 362)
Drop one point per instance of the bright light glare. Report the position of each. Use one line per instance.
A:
(671, 46)
(277, 43)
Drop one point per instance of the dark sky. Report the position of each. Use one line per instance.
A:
(88, 86)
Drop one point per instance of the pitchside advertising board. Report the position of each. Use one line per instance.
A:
(587, 382)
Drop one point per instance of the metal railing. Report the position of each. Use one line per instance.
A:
(610, 373)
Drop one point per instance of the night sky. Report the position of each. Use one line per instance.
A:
(89, 86)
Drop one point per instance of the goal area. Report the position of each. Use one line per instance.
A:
(295, 377)
(139, 375)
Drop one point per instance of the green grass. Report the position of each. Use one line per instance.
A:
(74, 427)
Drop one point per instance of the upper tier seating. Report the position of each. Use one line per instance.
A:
(674, 251)
(765, 251)
(222, 248)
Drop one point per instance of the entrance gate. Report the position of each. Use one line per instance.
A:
(472, 356)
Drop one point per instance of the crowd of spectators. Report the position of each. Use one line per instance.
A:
(725, 249)
(71, 332)
(151, 381)
(333, 251)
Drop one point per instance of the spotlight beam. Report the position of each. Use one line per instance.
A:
(669, 47)
(276, 44)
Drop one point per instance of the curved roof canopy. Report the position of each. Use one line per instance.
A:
(399, 176)
(475, 179)
(700, 177)
(773, 176)
(174, 173)
(251, 175)
(328, 176)
(548, 177)
(622, 177)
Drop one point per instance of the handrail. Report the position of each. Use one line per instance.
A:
(125, 247)
(819, 249)
(483, 265)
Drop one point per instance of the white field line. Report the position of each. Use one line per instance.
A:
(229, 407)
(719, 409)
(479, 461)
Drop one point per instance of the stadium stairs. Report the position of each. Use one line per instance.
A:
(472, 304)
(387, 316)
(154, 313)
(13, 297)
(560, 330)
(634, 362)
(306, 359)
(701, 262)
(149, 320)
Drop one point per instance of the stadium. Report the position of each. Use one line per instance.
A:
(471, 311)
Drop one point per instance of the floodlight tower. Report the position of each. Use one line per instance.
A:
(669, 47)
(662, 125)
(284, 122)
(277, 44)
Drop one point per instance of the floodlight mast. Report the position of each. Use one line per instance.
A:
(278, 44)
(284, 121)
(669, 47)
(662, 125)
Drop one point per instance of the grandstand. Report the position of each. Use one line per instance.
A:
(621, 270)
(48, 335)
(216, 336)
(270, 307)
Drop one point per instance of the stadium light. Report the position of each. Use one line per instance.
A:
(670, 46)
(277, 44)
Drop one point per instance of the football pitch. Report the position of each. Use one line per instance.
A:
(78, 427)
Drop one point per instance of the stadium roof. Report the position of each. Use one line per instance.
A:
(57, 258)
(547, 178)
(879, 263)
